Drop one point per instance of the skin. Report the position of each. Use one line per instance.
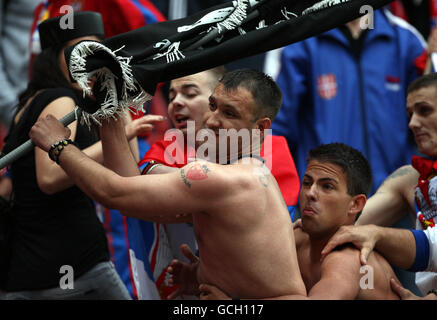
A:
(233, 109)
(189, 99)
(326, 206)
(396, 195)
(240, 219)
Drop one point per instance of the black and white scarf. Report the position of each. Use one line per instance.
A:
(129, 66)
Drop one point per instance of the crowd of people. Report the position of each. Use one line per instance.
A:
(298, 215)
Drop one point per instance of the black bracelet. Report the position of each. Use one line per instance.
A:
(56, 149)
(152, 164)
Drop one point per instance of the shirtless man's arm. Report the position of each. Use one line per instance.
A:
(140, 197)
(392, 200)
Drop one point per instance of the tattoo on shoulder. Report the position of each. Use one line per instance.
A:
(263, 176)
(195, 172)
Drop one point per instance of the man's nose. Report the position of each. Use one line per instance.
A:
(178, 100)
(311, 192)
(212, 120)
(414, 122)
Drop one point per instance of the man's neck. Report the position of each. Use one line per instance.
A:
(316, 247)
(354, 28)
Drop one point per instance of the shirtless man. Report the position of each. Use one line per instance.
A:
(242, 225)
(405, 190)
(333, 192)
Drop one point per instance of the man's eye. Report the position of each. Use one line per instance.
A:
(424, 111)
(229, 113)
(328, 186)
(306, 183)
(212, 106)
(191, 95)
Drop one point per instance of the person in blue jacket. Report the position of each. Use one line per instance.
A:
(349, 85)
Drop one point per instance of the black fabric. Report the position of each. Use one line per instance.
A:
(145, 43)
(85, 23)
(49, 231)
(356, 43)
(5, 227)
(5, 4)
(419, 15)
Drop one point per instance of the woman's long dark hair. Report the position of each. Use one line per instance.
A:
(46, 73)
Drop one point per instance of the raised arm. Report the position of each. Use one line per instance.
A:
(156, 198)
(393, 199)
(51, 178)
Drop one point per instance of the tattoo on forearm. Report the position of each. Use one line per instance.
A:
(195, 172)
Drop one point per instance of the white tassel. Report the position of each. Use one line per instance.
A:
(261, 24)
(172, 54)
(322, 5)
(112, 104)
(236, 17)
(287, 14)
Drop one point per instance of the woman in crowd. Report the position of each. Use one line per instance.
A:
(57, 245)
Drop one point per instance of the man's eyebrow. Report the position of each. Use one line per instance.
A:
(185, 86)
(231, 107)
(189, 85)
(321, 179)
(328, 179)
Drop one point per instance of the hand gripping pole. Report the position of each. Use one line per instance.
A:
(28, 145)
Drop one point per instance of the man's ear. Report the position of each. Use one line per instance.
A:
(357, 204)
(263, 124)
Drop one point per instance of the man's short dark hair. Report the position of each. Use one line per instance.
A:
(264, 90)
(354, 165)
(429, 80)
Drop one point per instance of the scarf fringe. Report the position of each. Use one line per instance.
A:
(322, 5)
(236, 17)
(112, 104)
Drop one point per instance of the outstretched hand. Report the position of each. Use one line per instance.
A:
(184, 274)
(141, 125)
(47, 131)
(363, 237)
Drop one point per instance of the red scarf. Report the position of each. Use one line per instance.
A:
(425, 167)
